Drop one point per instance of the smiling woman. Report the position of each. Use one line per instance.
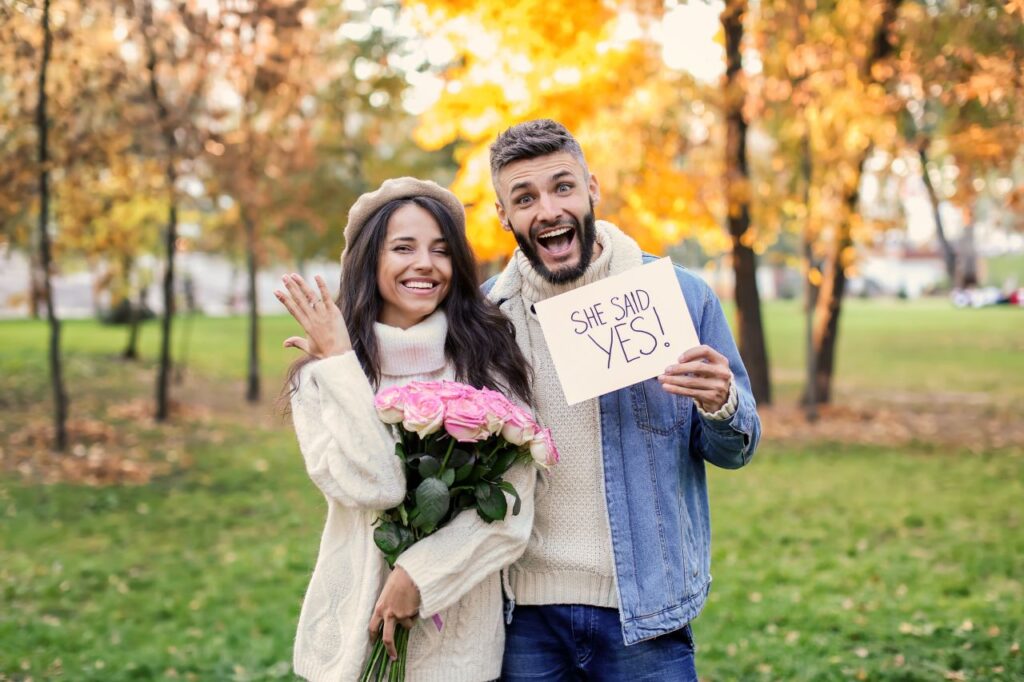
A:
(409, 310)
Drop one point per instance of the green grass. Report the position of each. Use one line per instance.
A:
(916, 347)
(831, 561)
(841, 561)
(1001, 270)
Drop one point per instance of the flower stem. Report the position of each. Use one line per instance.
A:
(451, 446)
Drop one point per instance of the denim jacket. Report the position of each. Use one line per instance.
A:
(654, 447)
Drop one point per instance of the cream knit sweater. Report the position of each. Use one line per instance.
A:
(569, 558)
(349, 455)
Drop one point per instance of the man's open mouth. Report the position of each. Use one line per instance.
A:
(557, 241)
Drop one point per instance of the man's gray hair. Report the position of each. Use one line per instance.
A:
(531, 139)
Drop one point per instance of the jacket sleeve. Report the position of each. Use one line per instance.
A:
(349, 452)
(728, 443)
(445, 566)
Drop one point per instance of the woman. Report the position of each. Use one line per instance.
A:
(409, 309)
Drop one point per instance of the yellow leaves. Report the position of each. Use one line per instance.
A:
(582, 65)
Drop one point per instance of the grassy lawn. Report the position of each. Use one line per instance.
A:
(831, 561)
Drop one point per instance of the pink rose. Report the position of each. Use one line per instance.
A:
(430, 387)
(543, 450)
(465, 420)
(450, 390)
(424, 413)
(390, 404)
(519, 427)
(498, 408)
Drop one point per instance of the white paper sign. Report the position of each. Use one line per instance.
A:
(618, 331)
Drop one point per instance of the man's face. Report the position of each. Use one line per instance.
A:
(548, 203)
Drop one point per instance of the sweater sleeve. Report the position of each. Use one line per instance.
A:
(349, 452)
(445, 566)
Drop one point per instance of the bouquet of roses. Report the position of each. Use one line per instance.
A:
(456, 442)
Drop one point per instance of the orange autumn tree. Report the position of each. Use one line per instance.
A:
(590, 66)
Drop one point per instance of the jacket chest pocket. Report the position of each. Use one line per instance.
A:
(658, 411)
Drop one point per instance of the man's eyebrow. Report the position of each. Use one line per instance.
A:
(522, 184)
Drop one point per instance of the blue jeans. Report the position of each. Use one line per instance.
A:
(575, 642)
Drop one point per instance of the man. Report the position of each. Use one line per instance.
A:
(618, 562)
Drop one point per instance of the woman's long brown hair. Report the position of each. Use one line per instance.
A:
(481, 341)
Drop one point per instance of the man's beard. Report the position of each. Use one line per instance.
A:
(587, 237)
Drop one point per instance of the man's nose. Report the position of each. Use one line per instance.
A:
(548, 210)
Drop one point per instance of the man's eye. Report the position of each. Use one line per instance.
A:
(564, 187)
(523, 200)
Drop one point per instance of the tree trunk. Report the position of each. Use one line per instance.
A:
(826, 328)
(967, 272)
(35, 292)
(948, 255)
(830, 297)
(810, 399)
(164, 371)
(737, 189)
(60, 398)
(252, 393)
(131, 348)
(171, 233)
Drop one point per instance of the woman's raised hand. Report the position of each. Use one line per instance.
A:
(326, 333)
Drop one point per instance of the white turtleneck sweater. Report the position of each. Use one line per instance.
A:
(349, 455)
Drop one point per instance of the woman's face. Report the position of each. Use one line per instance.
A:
(415, 269)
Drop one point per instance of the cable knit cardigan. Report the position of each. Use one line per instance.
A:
(349, 455)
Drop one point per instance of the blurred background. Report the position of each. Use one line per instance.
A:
(848, 176)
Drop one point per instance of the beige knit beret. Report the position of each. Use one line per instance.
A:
(399, 188)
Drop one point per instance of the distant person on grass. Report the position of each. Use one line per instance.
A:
(618, 564)
(409, 309)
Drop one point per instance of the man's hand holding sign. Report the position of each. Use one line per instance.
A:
(629, 328)
(703, 374)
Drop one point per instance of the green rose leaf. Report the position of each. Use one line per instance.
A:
(511, 490)
(428, 466)
(432, 500)
(400, 450)
(479, 471)
(387, 537)
(482, 491)
(462, 471)
(448, 477)
(459, 458)
(435, 445)
(493, 506)
(503, 462)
